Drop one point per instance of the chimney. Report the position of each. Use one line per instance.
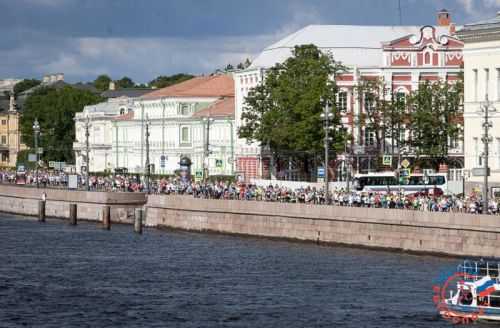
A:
(59, 77)
(112, 85)
(443, 18)
(46, 79)
(53, 78)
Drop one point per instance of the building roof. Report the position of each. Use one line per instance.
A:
(492, 23)
(351, 44)
(129, 92)
(221, 108)
(202, 86)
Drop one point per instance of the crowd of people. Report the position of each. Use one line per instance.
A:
(240, 191)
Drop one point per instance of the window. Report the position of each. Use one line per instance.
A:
(369, 102)
(185, 135)
(5, 157)
(427, 58)
(475, 84)
(486, 82)
(184, 110)
(369, 137)
(342, 101)
(4, 122)
(4, 140)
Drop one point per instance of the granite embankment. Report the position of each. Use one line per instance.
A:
(24, 200)
(428, 232)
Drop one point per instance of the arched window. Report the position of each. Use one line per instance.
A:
(427, 58)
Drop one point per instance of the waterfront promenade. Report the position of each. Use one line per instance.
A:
(416, 231)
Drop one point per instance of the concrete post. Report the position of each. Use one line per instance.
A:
(106, 217)
(139, 212)
(72, 214)
(41, 210)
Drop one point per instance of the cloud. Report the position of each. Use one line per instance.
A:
(477, 9)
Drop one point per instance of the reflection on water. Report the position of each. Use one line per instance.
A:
(56, 275)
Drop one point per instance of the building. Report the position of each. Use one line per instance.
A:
(482, 83)
(99, 119)
(192, 119)
(402, 56)
(10, 135)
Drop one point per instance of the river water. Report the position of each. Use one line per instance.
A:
(56, 275)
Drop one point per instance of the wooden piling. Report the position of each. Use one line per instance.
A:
(72, 214)
(106, 217)
(41, 210)
(139, 213)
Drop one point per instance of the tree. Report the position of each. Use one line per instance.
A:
(284, 111)
(124, 82)
(102, 82)
(435, 118)
(55, 110)
(25, 85)
(163, 81)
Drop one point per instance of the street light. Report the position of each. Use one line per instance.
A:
(148, 165)
(326, 117)
(486, 108)
(207, 152)
(36, 131)
(87, 151)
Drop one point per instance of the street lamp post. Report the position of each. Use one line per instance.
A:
(327, 116)
(486, 108)
(148, 164)
(36, 132)
(87, 152)
(206, 152)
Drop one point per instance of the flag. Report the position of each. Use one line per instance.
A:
(485, 286)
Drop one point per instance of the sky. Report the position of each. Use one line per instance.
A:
(143, 39)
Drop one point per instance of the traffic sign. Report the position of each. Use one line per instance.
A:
(218, 163)
(321, 172)
(32, 158)
(405, 163)
(198, 175)
(387, 160)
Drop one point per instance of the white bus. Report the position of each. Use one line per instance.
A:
(383, 182)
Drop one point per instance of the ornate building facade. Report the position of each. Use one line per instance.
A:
(401, 56)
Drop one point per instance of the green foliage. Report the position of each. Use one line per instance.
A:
(124, 83)
(284, 111)
(102, 82)
(22, 159)
(434, 120)
(55, 110)
(163, 81)
(25, 85)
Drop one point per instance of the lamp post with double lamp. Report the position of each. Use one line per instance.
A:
(36, 132)
(486, 108)
(148, 164)
(87, 152)
(206, 153)
(327, 117)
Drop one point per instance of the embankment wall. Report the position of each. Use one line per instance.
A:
(429, 232)
(24, 200)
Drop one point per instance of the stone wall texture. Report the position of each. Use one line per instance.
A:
(24, 200)
(428, 232)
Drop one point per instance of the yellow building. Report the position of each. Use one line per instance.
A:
(10, 135)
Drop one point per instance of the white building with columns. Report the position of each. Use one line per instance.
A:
(403, 56)
(192, 119)
(482, 81)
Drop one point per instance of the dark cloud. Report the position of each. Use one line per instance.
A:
(143, 39)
